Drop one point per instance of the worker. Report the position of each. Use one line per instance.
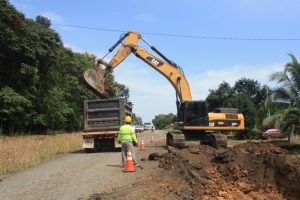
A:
(127, 139)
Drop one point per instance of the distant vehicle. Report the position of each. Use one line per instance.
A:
(273, 133)
(138, 128)
(147, 126)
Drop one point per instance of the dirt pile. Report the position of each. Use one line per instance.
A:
(246, 171)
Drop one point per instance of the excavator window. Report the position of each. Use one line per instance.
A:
(193, 113)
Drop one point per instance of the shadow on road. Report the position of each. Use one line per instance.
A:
(82, 151)
(118, 166)
(163, 146)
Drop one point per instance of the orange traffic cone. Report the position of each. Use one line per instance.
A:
(152, 139)
(142, 147)
(129, 167)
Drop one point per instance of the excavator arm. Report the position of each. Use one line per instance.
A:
(164, 66)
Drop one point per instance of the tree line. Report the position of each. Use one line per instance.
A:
(41, 82)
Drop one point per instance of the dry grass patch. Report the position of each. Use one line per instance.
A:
(19, 152)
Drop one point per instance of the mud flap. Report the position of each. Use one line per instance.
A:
(88, 143)
(117, 145)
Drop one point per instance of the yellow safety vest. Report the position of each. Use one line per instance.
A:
(127, 134)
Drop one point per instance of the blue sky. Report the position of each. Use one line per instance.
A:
(206, 62)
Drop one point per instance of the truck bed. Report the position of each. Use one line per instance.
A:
(105, 114)
(102, 119)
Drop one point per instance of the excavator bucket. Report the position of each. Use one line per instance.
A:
(94, 79)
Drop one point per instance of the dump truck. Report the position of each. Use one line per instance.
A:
(102, 119)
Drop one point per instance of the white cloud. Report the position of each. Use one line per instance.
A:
(150, 92)
(145, 18)
(210, 79)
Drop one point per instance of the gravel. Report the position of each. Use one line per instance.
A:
(78, 175)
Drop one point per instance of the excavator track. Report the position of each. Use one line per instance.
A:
(176, 139)
(216, 140)
(219, 140)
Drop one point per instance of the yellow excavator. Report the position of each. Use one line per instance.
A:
(194, 122)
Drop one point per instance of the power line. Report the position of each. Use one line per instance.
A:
(181, 36)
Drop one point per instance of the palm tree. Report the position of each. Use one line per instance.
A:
(290, 122)
(289, 83)
(288, 91)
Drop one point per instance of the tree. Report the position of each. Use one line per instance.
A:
(246, 106)
(217, 97)
(288, 81)
(57, 109)
(290, 122)
(251, 88)
(288, 91)
(267, 108)
(246, 94)
(163, 121)
(41, 82)
(43, 21)
(13, 110)
(136, 119)
(122, 91)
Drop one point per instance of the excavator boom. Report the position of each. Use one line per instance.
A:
(163, 65)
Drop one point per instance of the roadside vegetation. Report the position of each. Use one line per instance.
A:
(163, 121)
(41, 81)
(20, 152)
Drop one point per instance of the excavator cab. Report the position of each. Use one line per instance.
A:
(193, 113)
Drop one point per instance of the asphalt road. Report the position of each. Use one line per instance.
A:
(78, 175)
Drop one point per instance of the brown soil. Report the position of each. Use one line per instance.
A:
(246, 171)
